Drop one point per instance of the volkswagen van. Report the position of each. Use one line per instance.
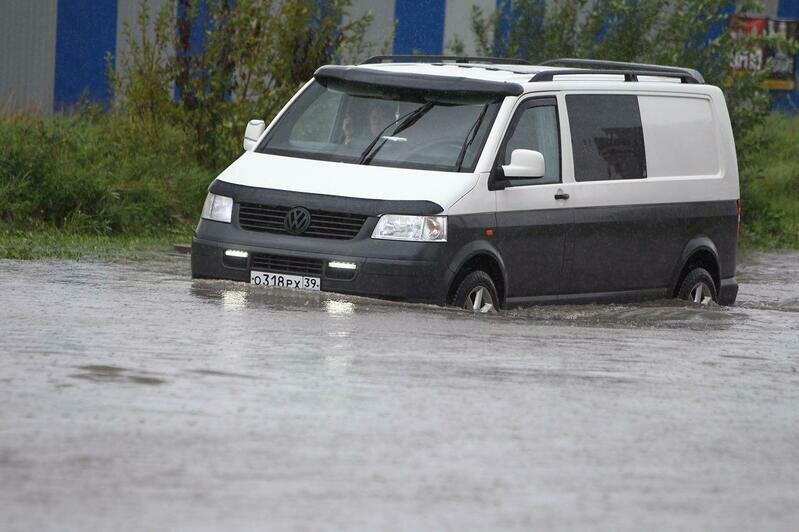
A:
(484, 183)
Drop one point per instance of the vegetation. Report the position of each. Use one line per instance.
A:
(254, 56)
(92, 174)
(770, 185)
(134, 176)
(54, 243)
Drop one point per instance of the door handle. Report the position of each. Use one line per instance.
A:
(561, 195)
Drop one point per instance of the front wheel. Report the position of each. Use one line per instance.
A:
(698, 287)
(477, 293)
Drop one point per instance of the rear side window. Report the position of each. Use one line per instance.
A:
(607, 137)
(680, 136)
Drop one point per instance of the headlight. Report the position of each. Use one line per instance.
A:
(217, 208)
(414, 228)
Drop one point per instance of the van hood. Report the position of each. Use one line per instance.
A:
(348, 180)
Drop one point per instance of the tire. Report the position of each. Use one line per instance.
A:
(477, 293)
(698, 287)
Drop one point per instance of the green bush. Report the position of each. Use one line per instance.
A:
(95, 174)
(769, 169)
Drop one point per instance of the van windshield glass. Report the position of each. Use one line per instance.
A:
(362, 126)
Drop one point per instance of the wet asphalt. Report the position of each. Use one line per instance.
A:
(133, 398)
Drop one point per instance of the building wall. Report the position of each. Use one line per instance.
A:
(380, 34)
(458, 22)
(85, 35)
(27, 54)
(54, 51)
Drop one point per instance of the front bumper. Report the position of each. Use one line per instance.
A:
(409, 271)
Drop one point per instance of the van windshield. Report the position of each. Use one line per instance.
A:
(366, 126)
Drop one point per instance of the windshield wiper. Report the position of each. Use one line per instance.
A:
(470, 137)
(405, 121)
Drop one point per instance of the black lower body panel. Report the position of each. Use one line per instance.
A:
(728, 291)
(388, 278)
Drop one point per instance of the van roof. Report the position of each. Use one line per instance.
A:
(515, 74)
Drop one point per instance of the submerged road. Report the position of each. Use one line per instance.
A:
(133, 398)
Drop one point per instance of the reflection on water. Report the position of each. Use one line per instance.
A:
(339, 307)
(234, 299)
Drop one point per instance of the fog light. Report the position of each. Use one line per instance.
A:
(340, 265)
(236, 253)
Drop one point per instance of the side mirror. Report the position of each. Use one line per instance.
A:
(254, 130)
(525, 164)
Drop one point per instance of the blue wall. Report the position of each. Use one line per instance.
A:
(788, 9)
(783, 100)
(85, 32)
(420, 26)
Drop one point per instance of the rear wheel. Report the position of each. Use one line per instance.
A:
(698, 287)
(477, 293)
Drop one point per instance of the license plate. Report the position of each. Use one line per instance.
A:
(281, 280)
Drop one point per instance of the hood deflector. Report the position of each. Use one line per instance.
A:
(324, 202)
(449, 86)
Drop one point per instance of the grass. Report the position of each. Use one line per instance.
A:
(97, 174)
(95, 185)
(770, 186)
(58, 244)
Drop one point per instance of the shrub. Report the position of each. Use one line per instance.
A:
(688, 33)
(770, 191)
(96, 175)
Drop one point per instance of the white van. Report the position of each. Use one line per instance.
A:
(485, 184)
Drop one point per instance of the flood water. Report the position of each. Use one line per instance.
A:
(133, 398)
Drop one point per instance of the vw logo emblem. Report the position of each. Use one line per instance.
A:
(297, 220)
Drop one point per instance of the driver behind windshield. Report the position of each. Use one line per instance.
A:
(380, 115)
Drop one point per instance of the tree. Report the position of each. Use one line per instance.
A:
(254, 56)
(689, 33)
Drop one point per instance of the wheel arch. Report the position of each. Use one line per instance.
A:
(698, 252)
(477, 256)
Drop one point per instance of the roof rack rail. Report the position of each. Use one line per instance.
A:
(629, 75)
(443, 59)
(623, 66)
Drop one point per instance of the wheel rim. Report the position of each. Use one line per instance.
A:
(700, 294)
(480, 300)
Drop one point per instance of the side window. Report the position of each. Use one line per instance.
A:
(607, 137)
(535, 128)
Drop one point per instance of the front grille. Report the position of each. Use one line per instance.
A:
(324, 224)
(283, 264)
